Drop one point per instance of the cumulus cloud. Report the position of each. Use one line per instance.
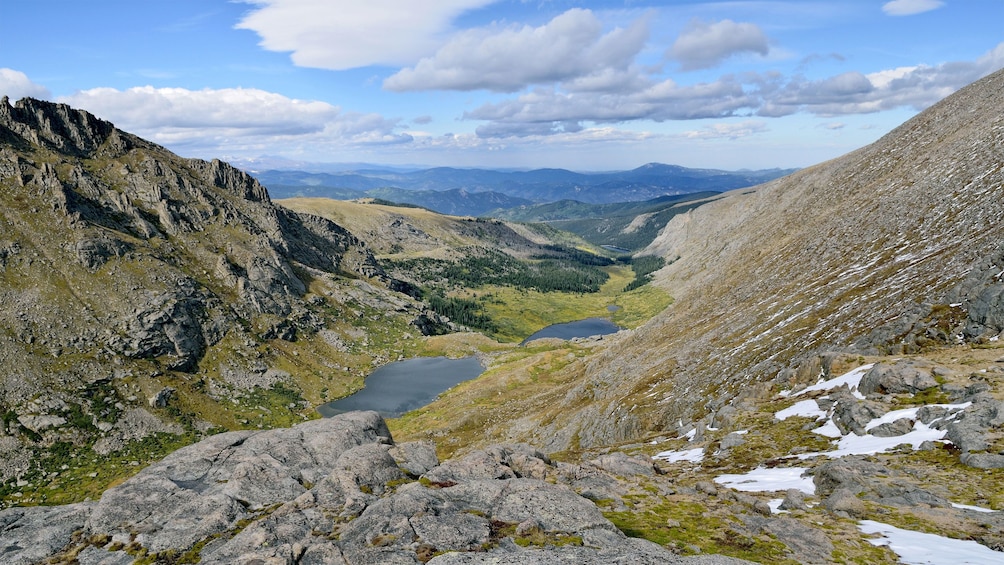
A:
(551, 111)
(727, 130)
(706, 44)
(855, 93)
(17, 85)
(222, 119)
(572, 46)
(910, 7)
(345, 35)
(548, 110)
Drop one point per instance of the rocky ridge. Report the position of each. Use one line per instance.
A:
(339, 490)
(142, 294)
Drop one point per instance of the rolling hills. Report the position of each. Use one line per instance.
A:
(478, 191)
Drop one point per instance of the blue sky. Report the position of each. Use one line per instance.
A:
(509, 83)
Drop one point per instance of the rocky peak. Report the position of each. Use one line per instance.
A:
(223, 175)
(57, 126)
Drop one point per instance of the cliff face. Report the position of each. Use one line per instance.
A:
(128, 270)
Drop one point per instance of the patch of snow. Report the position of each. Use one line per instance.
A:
(769, 480)
(741, 432)
(689, 435)
(890, 417)
(807, 408)
(916, 548)
(868, 444)
(852, 379)
(775, 506)
(911, 413)
(974, 508)
(692, 455)
(829, 429)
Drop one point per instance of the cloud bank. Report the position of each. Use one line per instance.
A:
(762, 94)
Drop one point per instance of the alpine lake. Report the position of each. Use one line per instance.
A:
(402, 386)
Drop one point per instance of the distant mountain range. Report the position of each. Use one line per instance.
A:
(477, 191)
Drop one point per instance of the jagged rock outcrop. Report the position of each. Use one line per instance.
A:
(331, 491)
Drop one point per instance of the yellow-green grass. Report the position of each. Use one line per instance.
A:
(519, 313)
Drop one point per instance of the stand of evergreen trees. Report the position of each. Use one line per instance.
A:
(554, 269)
(572, 271)
(643, 268)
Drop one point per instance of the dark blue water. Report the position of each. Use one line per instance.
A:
(580, 328)
(406, 385)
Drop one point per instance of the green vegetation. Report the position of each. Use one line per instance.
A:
(495, 292)
(569, 271)
(689, 528)
(462, 311)
(64, 473)
(643, 267)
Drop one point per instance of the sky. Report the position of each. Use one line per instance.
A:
(602, 85)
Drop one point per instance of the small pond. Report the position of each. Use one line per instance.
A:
(399, 387)
(580, 328)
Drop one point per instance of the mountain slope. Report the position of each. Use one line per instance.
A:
(894, 247)
(827, 257)
(629, 226)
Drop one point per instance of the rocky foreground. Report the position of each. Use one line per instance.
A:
(339, 490)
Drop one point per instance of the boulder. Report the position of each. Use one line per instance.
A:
(794, 499)
(969, 428)
(893, 429)
(851, 414)
(620, 463)
(850, 473)
(983, 460)
(901, 376)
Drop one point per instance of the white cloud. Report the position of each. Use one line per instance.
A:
(572, 46)
(854, 93)
(221, 121)
(17, 85)
(552, 111)
(542, 110)
(345, 35)
(910, 7)
(727, 131)
(704, 45)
